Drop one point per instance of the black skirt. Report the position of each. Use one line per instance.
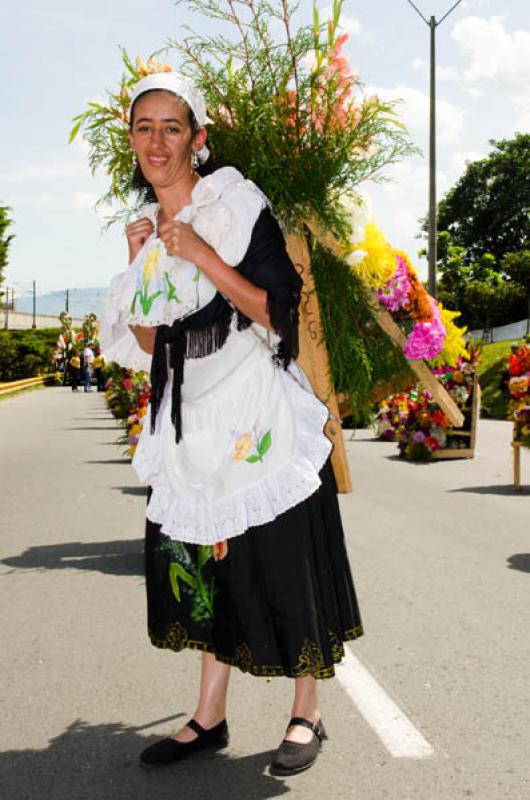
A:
(282, 602)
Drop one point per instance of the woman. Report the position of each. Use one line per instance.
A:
(97, 365)
(75, 369)
(245, 556)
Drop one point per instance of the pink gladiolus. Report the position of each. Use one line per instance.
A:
(133, 439)
(127, 384)
(426, 338)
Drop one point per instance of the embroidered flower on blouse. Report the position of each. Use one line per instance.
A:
(242, 446)
(246, 443)
(148, 272)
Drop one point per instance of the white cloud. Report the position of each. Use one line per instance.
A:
(494, 53)
(418, 63)
(351, 25)
(497, 56)
(442, 73)
(84, 201)
(414, 112)
(400, 203)
(458, 163)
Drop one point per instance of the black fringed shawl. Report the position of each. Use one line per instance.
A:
(267, 265)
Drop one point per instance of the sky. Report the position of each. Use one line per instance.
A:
(57, 55)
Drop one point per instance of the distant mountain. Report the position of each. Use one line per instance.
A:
(80, 302)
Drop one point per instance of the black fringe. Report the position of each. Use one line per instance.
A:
(174, 344)
(282, 308)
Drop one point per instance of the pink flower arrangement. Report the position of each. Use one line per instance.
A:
(426, 339)
(395, 294)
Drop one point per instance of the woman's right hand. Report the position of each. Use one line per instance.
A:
(137, 234)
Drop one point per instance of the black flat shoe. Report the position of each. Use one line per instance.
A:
(167, 751)
(292, 757)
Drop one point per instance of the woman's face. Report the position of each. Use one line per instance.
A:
(162, 138)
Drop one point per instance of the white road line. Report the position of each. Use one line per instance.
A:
(384, 716)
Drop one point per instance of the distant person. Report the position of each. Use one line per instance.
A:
(88, 359)
(97, 365)
(74, 366)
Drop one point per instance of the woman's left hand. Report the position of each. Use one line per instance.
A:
(180, 240)
(220, 549)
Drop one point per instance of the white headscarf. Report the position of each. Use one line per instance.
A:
(182, 87)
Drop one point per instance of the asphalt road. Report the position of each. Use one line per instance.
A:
(441, 558)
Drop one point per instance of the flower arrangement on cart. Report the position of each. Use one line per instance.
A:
(519, 386)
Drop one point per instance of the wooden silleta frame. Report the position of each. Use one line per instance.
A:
(314, 358)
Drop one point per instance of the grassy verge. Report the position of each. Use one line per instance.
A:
(493, 362)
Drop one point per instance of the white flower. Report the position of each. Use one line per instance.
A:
(355, 257)
(359, 212)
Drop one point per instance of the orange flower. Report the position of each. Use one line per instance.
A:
(242, 446)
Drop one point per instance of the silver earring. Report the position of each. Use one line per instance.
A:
(194, 160)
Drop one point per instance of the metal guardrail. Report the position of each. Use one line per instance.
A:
(25, 383)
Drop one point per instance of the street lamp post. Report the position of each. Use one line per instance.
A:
(34, 321)
(433, 24)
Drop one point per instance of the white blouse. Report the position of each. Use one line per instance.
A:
(157, 289)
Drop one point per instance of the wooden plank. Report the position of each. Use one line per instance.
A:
(314, 360)
(516, 450)
(454, 452)
(475, 411)
(392, 329)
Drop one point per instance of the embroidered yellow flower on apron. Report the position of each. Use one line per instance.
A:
(245, 443)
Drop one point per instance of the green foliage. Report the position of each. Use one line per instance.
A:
(486, 292)
(24, 354)
(488, 305)
(360, 353)
(5, 241)
(105, 128)
(493, 363)
(488, 209)
(517, 268)
(303, 133)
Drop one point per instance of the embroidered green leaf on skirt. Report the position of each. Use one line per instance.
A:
(187, 566)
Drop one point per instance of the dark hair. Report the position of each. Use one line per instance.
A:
(139, 182)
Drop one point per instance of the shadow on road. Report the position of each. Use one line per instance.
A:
(100, 762)
(121, 557)
(496, 488)
(139, 491)
(125, 460)
(520, 561)
(91, 428)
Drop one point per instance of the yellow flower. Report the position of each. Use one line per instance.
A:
(151, 66)
(150, 265)
(242, 446)
(454, 345)
(135, 429)
(142, 411)
(379, 262)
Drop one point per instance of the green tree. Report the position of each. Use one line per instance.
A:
(486, 305)
(488, 209)
(5, 241)
(517, 267)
